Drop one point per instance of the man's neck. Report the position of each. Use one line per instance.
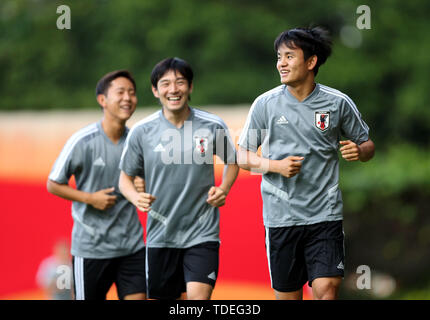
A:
(177, 118)
(113, 129)
(302, 90)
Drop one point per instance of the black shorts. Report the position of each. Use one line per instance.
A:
(169, 269)
(94, 277)
(304, 253)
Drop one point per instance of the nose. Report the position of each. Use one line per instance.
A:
(126, 96)
(173, 87)
(282, 61)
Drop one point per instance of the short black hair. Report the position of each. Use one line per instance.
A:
(105, 82)
(313, 41)
(175, 64)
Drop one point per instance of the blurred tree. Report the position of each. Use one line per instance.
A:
(229, 43)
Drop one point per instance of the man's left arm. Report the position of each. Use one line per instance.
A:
(352, 152)
(354, 128)
(218, 195)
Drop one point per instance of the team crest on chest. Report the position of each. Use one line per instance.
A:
(322, 120)
(201, 144)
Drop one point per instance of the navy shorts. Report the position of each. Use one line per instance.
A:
(94, 277)
(304, 253)
(169, 269)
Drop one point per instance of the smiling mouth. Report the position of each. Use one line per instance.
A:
(174, 98)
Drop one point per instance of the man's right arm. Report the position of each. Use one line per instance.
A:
(100, 200)
(251, 161)
(141, 200)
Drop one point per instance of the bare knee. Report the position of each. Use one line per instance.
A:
(135, 296)
(293, 295)
(326, 288)
(199, 291)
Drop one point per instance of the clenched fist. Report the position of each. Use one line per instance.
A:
(290, 166)
(102, 199)
(350, 151)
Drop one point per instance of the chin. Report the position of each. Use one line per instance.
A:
(126, 117)
(176, 108)
(291, 83)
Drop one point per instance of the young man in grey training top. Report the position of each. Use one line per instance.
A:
(107, 237)
(299, 125)
(173, 149)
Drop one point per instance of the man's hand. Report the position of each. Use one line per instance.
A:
(290, 166)
(216, 197)
(102, 199)
(350, 151)
(139, 184)
(144, 201)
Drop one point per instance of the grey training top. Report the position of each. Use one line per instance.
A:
(178, 168)
(284, 127)
(93, 159)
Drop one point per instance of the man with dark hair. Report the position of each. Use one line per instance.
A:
(173, 149)
(106, 81)
(107, 237)
(176, 64)
(298, 126)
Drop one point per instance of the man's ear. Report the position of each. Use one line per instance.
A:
(101, 99)
(155, 92)
(312, 62)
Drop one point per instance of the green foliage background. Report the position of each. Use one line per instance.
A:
(230, 46)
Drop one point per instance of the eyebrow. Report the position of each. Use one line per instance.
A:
(176, 79)
(123, 88)
(287, 52)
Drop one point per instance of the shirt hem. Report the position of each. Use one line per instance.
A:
(300, 223)
(181, 246)
(118, 254)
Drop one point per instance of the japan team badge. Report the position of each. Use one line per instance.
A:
(322, 120)
(201, 145)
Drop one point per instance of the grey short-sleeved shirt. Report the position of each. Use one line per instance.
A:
(177, 165)
(284, 127)
(93, 159)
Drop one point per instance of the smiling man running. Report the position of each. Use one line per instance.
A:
(107, 237)
(298, 126)
(174, 150)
